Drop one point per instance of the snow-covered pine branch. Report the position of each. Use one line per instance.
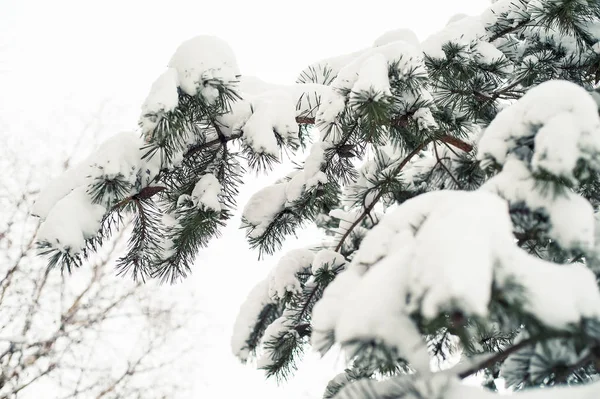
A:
(457, 180)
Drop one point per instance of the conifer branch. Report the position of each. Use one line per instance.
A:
(508, 30)
(401, 122)
(368, 209)
(501, 356)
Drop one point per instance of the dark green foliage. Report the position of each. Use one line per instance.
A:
(285, 348)
(291, 218)
(144, 246)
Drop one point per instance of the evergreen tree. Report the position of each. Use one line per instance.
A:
(456, 179)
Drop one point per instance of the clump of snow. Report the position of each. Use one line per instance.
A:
(326, 311)
(561, 115)
(425, 119)
(163, 97)
(381, 239)
(283, 278)
(326, 259)
(264, 205)
(200, 62)
(571, 216)
(206, 192)
(305, 96)
(332, 104)
(244, 324)
(167, 247)
(310, 176)
(323, 71)
(404, 55)
(295, 187)
(120, 155)
(463, 31)
(279, 327)
(272, 113)
(59, 187)
(566, 294)
(378, 301)
(72, 220)
(262, 208)
(487, 53)
(437, 276)
(414, 261)
(373, 79)
(561, 119)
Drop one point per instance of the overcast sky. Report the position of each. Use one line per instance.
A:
(60, 60)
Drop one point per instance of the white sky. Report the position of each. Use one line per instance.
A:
(60, 59)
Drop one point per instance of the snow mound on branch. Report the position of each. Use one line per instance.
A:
(118, 157)
(71, 221)
(571, 216)
(249, 313)
(277, 329)
(326, 259)
(577, 283)
(462, 31)
(414, 261)
(305, 96)
(163, 97)
(373, 78)
(327, 310)
(551, 130)
(272, 113)
(283, 278)
(561, 116)
(405, 55)
(325, 70)
(262, 207)
(206, 193)
(201, 61)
